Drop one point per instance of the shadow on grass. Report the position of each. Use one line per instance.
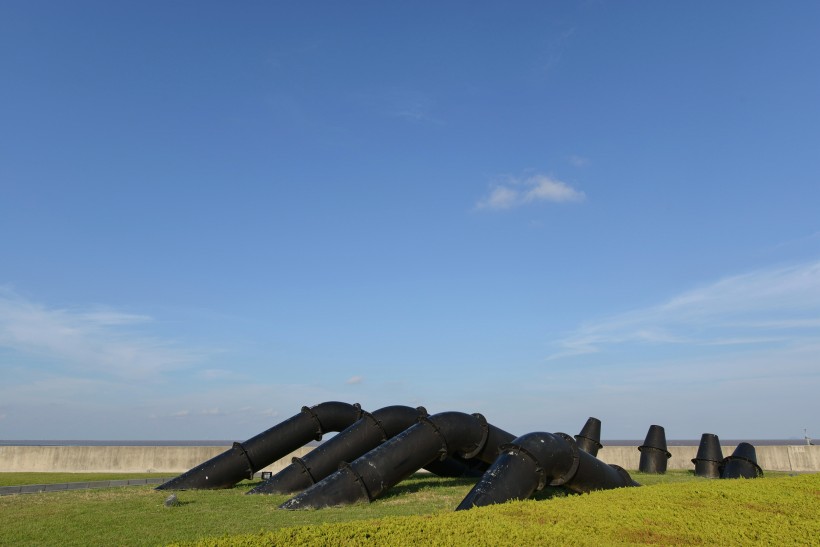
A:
(550, 492)
(418, 483)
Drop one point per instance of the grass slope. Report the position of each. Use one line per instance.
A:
(779, 511)
(676, 508)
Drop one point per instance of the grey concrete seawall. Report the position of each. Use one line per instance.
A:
(178, 459)
(802, 458)
(116, 459)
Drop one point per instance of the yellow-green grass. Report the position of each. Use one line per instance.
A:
(676, 508)
(774, 511)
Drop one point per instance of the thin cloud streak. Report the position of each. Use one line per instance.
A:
(773, 306)
(97, 340)
(517, 192)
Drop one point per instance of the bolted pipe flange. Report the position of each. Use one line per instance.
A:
(443, 451)
(345, 467)
(237, 447)
(315, 418)
(304, 469)
(485, 435)
(573, 468)
(517, 449)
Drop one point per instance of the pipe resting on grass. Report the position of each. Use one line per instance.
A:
(242, 460)
(535, 460)
(434, 438)
(358, 439)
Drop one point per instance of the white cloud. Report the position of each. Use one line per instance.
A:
(773, 306)
(100, 340)
(354, 380)
(215, 374)
(515, 192)
(268, 413)
(548, 189)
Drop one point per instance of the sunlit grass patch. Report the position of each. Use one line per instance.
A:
(17, 479)
(775, 511)
(676, 508)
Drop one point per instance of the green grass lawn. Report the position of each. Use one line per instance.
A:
(676, 508)
(17, 479)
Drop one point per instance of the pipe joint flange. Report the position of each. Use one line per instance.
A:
(573, 468)
(727, 459)
(443, 451)
(304, 469)
(696, 460)
(597, 443)
(347, 468)
(238, 447)
(665, 451)
(315, 418)
(359, 411)
(484, 436)
(520, 450)
(375, 422)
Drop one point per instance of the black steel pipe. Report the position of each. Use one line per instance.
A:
(538, 459)
(436, 437)
(709, 457)
(589, 439)
(742, 464)
(653, 451)
(364, 435)
(242, 460)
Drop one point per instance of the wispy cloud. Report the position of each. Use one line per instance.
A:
(516, 192)
(354, 380)
(99, 340)
(772, 306)
(416, 113)
(414, 106)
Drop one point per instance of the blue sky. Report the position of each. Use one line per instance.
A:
(215, 213)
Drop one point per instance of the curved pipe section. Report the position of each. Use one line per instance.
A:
(361, 437)
(436, 437)
(243, 459)
(534, 460)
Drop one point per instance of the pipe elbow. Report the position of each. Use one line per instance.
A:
(458, 432)
(335, 415)
(395, 419)
(555, 455)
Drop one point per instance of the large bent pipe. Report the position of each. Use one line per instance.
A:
(242, 460)
(361, 437)
(436, 437)
(534, 460)
(358, 439)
